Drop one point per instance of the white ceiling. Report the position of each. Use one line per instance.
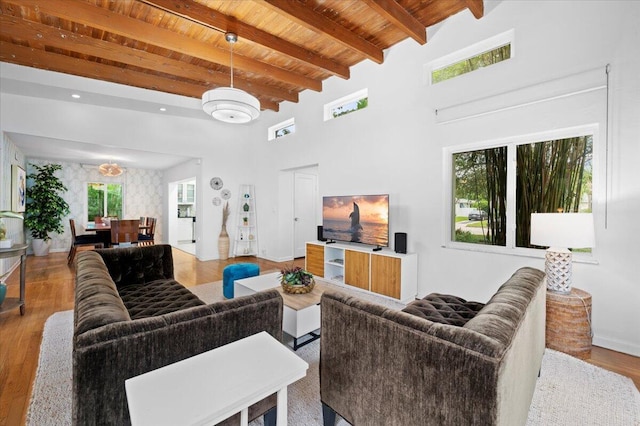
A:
(36, 83)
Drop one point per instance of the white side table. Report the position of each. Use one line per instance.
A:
(210, 387)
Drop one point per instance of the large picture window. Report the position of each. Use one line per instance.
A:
(492, 201)
(104, 200)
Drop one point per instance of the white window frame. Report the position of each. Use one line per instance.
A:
(353, 97)
(511, 143)
(475, 49)
(273, 130)
(86, 196)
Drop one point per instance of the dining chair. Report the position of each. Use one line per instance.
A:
(143, 222)
(124, 232)
(81, 240)
(147, 238)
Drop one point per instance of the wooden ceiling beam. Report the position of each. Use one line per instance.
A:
(306, 17)
(205, 16)
(23, 55)
(42, 35)
(476, 7)
(103, 19)
(400, 18)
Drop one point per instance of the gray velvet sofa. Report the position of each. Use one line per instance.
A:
(131, 317)
(471, 364)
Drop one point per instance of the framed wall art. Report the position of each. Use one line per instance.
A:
(18, 188)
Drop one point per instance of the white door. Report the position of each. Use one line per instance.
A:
(304, 211)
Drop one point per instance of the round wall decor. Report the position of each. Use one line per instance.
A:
(216, 201)
(225, 194)
(216, 183)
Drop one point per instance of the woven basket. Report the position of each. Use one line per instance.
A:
(298, 289)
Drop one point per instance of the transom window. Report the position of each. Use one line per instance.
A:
(492, 201)
(282, 129)
(479, 55)
(347, 104)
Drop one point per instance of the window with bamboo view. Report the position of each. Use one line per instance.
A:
(472, 63)
(104, 200)
(550, 176)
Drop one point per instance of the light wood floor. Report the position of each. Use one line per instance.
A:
(50, 286)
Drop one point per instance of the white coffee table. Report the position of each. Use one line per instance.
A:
(210, 387)
(301, 316)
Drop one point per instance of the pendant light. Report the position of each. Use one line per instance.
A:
(229, 104)
(110, 169)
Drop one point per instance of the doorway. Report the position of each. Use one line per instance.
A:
(182, 215)
(305, 208)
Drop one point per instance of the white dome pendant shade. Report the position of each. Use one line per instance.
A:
(229, 104)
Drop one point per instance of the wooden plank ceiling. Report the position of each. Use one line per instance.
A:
(179, 46)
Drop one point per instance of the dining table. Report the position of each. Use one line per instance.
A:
(104, 231)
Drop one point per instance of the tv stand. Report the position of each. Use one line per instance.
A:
(377, 248)
(383, 272)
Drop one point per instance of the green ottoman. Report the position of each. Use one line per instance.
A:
(237, 271)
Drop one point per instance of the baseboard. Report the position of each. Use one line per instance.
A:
(617, 345)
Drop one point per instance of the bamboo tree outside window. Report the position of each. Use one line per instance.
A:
(550, 176)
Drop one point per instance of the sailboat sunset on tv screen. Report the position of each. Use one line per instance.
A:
(357, 219)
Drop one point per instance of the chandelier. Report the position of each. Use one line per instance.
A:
(229, 104)
(110, 169)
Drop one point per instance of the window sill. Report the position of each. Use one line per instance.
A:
(520, 252)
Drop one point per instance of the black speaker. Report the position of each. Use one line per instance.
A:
(400, 243)
(320, 236)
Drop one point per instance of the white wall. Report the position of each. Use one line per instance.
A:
(396, 146)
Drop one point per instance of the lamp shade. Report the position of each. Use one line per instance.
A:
(562, 230)
(230, 105)
(110, 169)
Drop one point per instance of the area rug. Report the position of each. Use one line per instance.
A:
(568, 392)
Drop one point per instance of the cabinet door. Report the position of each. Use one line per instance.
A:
(356, 269)
(315, 260)
(385, 275)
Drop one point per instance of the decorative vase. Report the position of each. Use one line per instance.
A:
(40, 247)
(245, 207)
(223, 244)
(3, 292)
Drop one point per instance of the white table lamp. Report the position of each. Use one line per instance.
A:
(559, 231)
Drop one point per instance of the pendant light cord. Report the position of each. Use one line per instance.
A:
(231, 65)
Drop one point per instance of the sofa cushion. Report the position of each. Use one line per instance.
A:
(444, 309)
(156, 298)
(97, 299)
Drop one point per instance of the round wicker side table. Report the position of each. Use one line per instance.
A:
(568, 327)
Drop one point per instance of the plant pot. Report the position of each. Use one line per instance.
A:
(297, 289)
(6, 243)
(3, 292)
(40, 247)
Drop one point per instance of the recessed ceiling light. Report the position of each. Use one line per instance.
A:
(75, 96)
(163, 109)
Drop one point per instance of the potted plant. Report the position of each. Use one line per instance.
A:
(296, 280)
(45, 207)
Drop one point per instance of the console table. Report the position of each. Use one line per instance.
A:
(568, 326)
(212, 386)
(14, 302)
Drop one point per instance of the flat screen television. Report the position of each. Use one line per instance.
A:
(357, 219)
